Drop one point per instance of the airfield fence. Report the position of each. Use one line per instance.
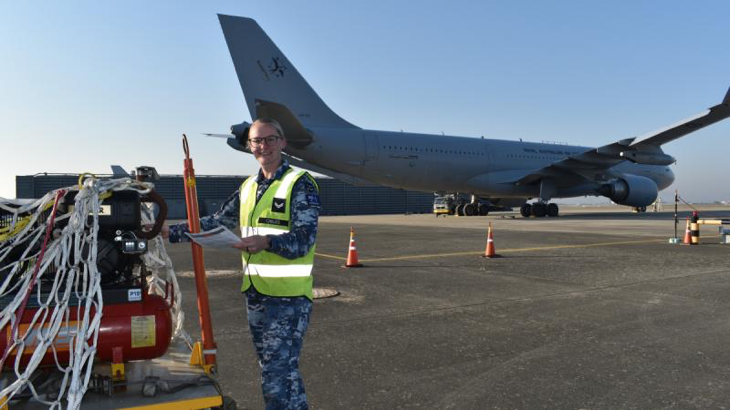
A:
(337, 197)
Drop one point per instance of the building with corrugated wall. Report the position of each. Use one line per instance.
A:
(337, 197)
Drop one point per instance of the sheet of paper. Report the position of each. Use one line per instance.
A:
(220, 237)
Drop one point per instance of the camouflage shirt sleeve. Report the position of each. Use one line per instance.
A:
(227, 215)
(305, 208)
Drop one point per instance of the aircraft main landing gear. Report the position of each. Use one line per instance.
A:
(526, 210)
(539, 210)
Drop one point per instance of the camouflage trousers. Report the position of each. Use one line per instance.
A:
(278, 326)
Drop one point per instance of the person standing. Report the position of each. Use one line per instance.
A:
(277, 211)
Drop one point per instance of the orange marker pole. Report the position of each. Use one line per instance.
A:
(201, 285)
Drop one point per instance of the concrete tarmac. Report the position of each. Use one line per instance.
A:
(593, 309)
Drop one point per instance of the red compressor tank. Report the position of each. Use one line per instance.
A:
(142, 328)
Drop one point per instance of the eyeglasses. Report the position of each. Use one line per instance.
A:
(257, 142)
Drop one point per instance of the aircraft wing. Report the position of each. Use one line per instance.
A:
(692, 124)
(645, 151)
(590, 161)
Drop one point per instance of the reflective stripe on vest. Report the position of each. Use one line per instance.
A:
(269, 273)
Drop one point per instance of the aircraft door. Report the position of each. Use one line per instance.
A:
(370, 162)
(371, 146)
(487, 160)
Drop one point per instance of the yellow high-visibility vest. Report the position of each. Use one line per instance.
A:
(269, 273)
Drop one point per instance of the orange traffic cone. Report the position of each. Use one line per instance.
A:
(489, 252)
(352, 261)
(687, 235)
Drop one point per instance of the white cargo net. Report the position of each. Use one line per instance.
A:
(70, 255)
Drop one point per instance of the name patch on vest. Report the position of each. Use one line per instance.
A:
(271, 221)
(279, 205)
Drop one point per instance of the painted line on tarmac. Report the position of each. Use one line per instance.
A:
(338, 258)
(539, 248)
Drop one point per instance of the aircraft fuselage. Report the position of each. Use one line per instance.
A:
(481, 166)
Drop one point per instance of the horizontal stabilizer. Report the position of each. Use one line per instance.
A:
(218, 135)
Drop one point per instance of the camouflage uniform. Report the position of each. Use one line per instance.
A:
(277, 324)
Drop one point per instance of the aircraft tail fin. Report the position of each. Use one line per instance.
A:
(119, 172)
(265, 74)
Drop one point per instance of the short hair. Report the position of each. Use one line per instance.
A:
(272, 122)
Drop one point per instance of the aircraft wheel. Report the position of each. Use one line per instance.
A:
(526, 210)
(483, 209)
(539, 209)
(553, 210)
(460, 210)
(470, 209)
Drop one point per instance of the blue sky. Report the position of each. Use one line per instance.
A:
(86, 84)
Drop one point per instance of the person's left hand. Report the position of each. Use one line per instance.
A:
(253, 244)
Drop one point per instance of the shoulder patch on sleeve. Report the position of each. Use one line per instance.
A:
(313, 199)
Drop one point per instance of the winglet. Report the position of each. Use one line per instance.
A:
(727, 97)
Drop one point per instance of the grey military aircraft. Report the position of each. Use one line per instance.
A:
(506, 173)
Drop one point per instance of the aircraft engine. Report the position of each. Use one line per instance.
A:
(631, 190)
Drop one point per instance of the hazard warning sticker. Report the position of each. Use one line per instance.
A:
(143, 331)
